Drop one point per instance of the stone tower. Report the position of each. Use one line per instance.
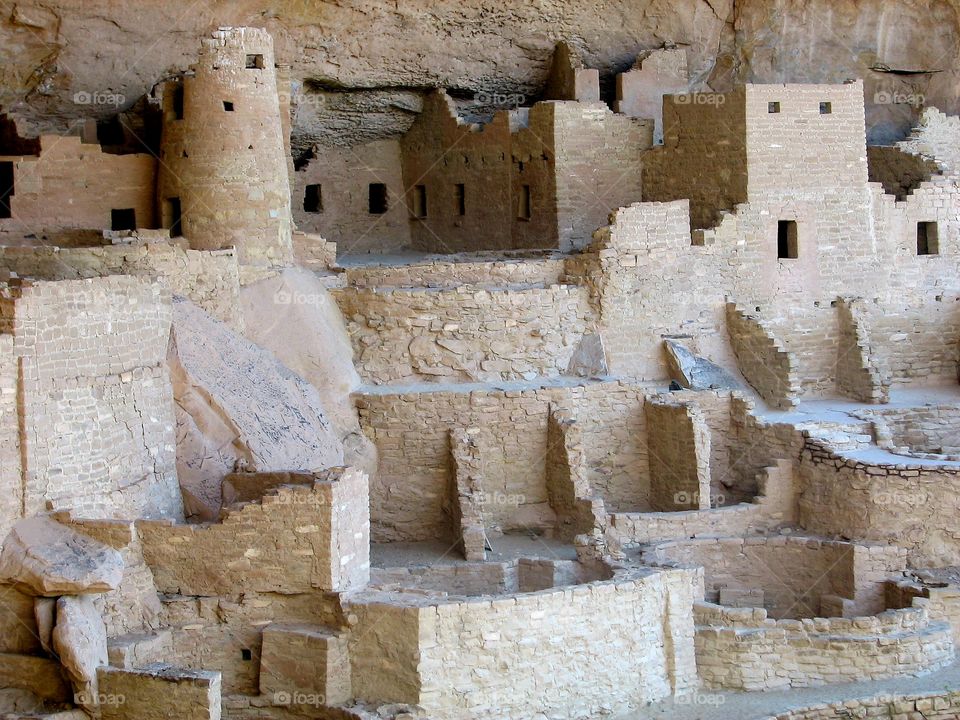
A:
(223, 173)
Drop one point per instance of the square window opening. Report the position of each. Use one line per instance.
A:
(773, 108)
(123, 219)
(928, 238)
(787, 246)
(227, 106)
(377, 199)
(826, 108)
(255, 62)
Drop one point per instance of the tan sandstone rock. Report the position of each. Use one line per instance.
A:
(80, 641)
(44, 558)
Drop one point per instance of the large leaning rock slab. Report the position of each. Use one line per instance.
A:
(80, 641)
(44, 558)
(237, 406)
(694, 372)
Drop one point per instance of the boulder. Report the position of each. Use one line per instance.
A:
(45, 558)
(238, 407)
(696, 373)
(80, 641)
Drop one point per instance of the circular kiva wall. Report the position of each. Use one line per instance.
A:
(788, 576)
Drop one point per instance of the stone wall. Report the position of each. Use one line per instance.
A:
(159, 691)
(295, 539)
(623, 643)
(910, 503)
(344, 176)
(540, 177)
(897, 171)
(927, 429)
(12, 497)
(739, 648)
(795, 575)
(934, 706)
(404, 335)
(75, 185)
(210, 279)
(656, 73)
(440, 152)
(597, 166)
(772, 507)
(762, 357)
(96, 407)
(859, 373)
(678, 441)
(474, 269)
(410, 430)
(704, 155)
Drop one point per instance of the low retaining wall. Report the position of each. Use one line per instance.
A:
(610, 646)
(793, 577)
(935, 706)
(464, 334)
(447, 274)
(913, 504)
(741, 649)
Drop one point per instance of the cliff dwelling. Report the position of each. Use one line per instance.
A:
(369, 362)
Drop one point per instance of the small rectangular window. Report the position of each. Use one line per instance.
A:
(420, 201)
(255, 62)
(460, 198)
(377, 199)
(177, 102)
(313, 199)
(523, 203)
(124, 219)
(928, 238)
(773, 108)
(227, 106)
(826, 108)
(787, 247)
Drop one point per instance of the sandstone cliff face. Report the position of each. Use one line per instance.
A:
(362, 66)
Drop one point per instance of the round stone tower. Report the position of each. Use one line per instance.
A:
(223, 172)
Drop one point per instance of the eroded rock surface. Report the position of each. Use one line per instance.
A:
(361, 67)
(42, 557)
(238, 407)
